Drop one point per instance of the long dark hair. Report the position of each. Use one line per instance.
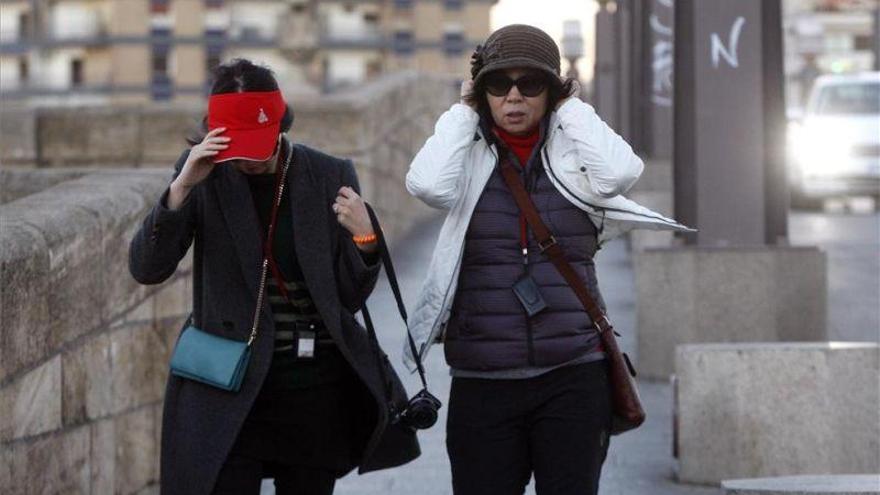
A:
(557, 90)
(237, 76)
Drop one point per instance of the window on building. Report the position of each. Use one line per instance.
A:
(215, 35)
(864, 42)
(160, 32)
(160, 84)
(453, 43)
(371, 18)
(214, 4)
(24, 70)
(212, 60)
(76, 72)
(403, 4)
(160, 63)
(24, 26)
(159, 6)
(453, 4)
(403, 42)
(374, 68)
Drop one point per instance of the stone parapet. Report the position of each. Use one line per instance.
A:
(380, 126)
(84, 348)
(737, 294)
(777, 409)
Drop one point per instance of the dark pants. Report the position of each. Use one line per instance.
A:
(243, 475)
(555, 425)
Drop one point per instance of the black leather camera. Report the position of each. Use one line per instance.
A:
(421, 411)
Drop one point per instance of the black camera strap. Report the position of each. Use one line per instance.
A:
(385, 256)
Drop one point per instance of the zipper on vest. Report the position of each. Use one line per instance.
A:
(530, 339)
(524, 244)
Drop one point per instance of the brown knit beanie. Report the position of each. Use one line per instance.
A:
(516, 46)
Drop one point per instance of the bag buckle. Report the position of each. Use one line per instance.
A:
(602, 324)
(545, 245)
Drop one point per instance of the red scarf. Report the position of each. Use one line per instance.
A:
(521, 146)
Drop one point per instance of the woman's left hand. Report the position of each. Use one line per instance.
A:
(351, 212)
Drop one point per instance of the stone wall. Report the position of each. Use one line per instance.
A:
(84, 349)
(380, 126)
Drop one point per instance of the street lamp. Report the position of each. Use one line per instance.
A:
(572, 46)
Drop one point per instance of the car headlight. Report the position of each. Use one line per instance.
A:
(819, 151)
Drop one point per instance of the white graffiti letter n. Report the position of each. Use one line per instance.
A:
(719, 50)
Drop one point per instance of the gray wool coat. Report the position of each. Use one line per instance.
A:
(200, 423)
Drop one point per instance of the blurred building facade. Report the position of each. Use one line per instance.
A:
(827, 36)
(142, 50)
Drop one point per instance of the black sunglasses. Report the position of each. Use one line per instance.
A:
(530, 85)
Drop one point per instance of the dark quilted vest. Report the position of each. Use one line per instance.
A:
(488, 328)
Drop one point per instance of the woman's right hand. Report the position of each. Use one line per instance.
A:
(198, 165)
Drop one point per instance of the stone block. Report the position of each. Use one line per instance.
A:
(87, 381)
(137, 454)
(75, 275)
(122, 290)
(138, 376)
(70, 230)
(841, 484)
(103, 456)
(776, 409)
(56, 463)
(31, 404)
(695, 294)
(661, 202)
(18, 182)
(6, 481)
(164, 130)
(112, 136)
(172, 300)
(141, 313)
(657, 176)
(17, 135)
(169, 331)
(24, 293)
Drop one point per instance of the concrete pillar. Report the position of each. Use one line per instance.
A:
(623, 27)
(777, 409)
(605, 81)
(698, 294)
(729, 121)
(661, 21)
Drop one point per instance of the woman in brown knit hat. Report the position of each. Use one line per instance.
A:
(530, 391)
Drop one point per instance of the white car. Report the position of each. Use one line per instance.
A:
(834, 148)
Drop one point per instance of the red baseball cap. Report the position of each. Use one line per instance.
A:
(252, 121)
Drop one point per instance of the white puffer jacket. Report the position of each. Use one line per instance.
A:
(586, 161)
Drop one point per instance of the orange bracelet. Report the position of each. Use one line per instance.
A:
(364, 239)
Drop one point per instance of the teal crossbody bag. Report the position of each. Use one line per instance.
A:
(217, 361)
(210, 359)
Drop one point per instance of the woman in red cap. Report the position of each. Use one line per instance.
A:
(312, 404)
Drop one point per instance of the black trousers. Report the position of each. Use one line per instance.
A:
(556, 425)
(242, 475)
